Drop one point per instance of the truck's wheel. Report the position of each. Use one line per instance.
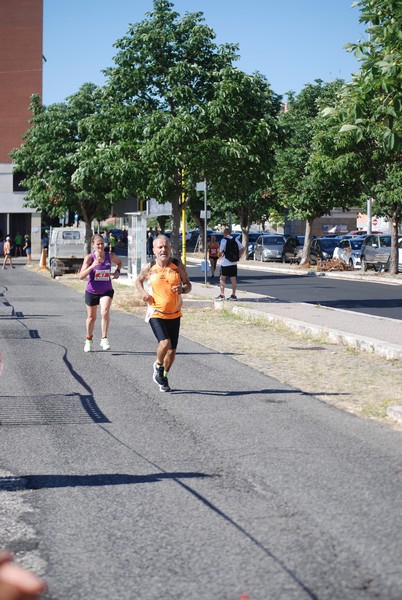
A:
(53, 268)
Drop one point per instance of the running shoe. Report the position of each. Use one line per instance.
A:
(220, 297)
(232, 298)
(88, 346)
(105, 344)
(160, 379)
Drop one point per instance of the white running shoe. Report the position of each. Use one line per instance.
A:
(105, 345)
(88, 346)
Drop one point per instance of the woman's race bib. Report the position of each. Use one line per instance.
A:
(102, 275)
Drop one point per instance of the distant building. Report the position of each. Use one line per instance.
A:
(338, 220)
(21, 58)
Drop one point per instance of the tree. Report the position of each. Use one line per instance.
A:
(49, 159)
(375, 94)
(175, 104)
(313, 173)
(244, 115)
(372, 107)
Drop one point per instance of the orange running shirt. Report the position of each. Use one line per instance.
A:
(213, 250)
(167, 304)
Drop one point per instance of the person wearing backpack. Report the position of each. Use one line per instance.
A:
(231, 250)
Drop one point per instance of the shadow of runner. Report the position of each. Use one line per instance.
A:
(39, 482)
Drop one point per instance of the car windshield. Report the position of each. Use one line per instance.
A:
(385, 242)
(274, 241)
(329, 243)
(356, 244)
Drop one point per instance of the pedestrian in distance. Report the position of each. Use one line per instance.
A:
(27, 249)
(213, 252)
(161, 284)
(105, 237)
(150, 244)
(112, 242)
(18, 243)
(231, 250)
(97, 267)
(17, 583)
(7, 253)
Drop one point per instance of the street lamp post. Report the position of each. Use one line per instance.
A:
(202, 187)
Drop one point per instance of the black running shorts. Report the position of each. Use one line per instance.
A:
(229, 271)
(166, 329)
(93, 299)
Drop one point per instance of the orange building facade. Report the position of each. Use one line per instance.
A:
(21, 70)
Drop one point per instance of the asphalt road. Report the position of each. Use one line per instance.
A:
(361, 296)
(232, 486)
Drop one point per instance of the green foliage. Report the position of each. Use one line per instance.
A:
(374, 98)
(179, 104)
(371, 110)
(50, 158)
(314, 174)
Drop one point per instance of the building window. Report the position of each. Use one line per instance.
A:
(17, 178)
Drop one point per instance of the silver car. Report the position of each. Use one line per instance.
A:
(349, 251)
(269, 247)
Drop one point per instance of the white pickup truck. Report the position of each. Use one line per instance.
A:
(66, 250)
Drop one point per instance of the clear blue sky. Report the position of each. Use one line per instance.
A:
(291, 42)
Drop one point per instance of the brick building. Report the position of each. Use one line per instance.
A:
(21, 59)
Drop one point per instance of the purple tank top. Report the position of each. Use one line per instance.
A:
(99, 280)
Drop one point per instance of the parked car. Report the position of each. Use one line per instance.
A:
(386, 267)
(376, 251)
(252, 238)
(323, 248)
(349, 250)
(269, 247)
(293, 249)
(360, 232)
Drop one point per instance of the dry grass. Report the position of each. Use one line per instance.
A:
(357, 382)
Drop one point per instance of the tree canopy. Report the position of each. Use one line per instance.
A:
(372, 109)
(50, 159)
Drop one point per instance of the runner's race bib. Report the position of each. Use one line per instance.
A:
(102, 275)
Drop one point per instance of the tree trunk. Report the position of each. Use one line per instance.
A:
(307, 241)
(87, 218)
(162, 222)
(88, 236)
(245, 228)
